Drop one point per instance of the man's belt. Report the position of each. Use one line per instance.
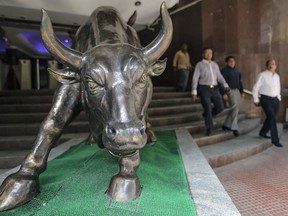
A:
(212, 86)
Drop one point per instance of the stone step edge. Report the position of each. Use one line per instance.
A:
(191, 125)
(239, 153)
(51, 91)
(196, 107)
(31, 137)
(172, 126)
(208, 194)
(225, 135)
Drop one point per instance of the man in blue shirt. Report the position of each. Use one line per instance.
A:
(233, 78)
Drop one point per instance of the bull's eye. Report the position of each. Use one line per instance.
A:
(94, 87)
(143, 81)
(143, 78)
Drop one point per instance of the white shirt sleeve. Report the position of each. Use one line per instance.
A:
(256, 88)
(279, 89)
(195, 79)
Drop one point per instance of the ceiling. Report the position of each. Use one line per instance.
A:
(19, 19)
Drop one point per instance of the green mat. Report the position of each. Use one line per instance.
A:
(75, 183)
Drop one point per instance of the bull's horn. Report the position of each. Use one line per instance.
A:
(61, 53)
(132, 19)
(159, 45)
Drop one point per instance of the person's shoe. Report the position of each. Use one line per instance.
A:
(203, 114)
(279, 145)
(265, 136)
(236, 133)
(224, 128)
(208, 132)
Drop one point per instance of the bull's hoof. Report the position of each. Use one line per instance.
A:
(124, 188)
(18, 189)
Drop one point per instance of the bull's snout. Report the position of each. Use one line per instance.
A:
(125, 136)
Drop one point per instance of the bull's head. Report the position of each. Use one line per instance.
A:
(115, 83)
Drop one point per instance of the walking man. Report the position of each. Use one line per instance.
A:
(205, 85)
(181, 64)
(233, 78)
(268, 88)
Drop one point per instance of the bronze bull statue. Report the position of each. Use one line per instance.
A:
(108, 76)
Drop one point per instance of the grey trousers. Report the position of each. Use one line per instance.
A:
(234, 99)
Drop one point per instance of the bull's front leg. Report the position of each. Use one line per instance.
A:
(125, 185)
(23, 185)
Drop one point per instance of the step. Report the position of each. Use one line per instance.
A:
(14, 118)
(218, 122)
(163, 95)
(47, 99)
(10, 159)
(12, 143)
(27, 100)
(25, 108)
(160, 111)
(171, 102)
(227, 152)
(42, 96)
(219, 135)
(196, 127)
(45, 108)
(30, 92)
(164, 88)
(32, 129)
(175, 119)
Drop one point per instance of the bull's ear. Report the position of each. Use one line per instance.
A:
(158, 67)
(65, 76)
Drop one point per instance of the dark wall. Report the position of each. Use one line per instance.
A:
(253, 31)
(187, 29)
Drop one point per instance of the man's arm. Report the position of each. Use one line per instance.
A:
(190, 66)
(220, 78)
(255, 90)
(175, 60)
(241, 88)
(279, 89)
(195, 79)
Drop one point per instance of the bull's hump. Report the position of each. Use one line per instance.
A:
(109, 25)
(105, 26)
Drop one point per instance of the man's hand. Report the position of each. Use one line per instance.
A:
(227, 90)
(225, 97)
(194, 98)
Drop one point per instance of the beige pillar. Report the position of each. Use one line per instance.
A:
(25, 82)
(52, 81)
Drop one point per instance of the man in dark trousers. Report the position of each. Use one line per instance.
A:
(181, 64)
(205, 85)
(268, 88)
(233, 78)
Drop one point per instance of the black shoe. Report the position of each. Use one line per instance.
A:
(236, 133)
(278, 145)
(265, 136)
(224, 128)
(208, 132)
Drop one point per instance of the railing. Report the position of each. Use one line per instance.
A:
(248, 92)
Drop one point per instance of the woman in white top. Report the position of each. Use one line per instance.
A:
(269, 90)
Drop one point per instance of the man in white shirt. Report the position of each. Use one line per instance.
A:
(269, 90)
(205, 84)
